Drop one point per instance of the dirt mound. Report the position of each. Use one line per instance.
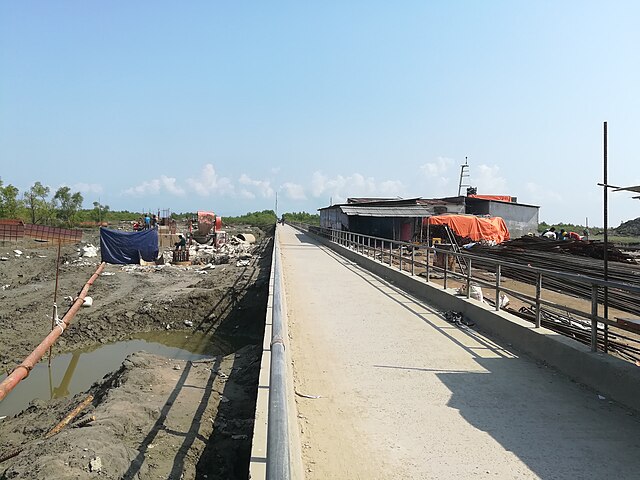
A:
(630, 228)
(155, 418)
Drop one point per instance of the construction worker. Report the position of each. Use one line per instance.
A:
(181, 244)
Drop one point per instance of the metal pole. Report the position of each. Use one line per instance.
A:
(538, 296)
(498, 275)
(446, 263)
(413, 261)
(427, 263)
(594, 318)
(469, 280)
(390, 254)
(55, 297)
(606, 242)
(400, 250)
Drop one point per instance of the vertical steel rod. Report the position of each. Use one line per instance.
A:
(498, 275)
(606, 242)
(446, 263)
(538, 296)
(594, 318)
(413, 261)
(469, 280)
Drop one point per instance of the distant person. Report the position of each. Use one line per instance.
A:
(282, 219)
(561, 235)
(147, 222)
(585, 234)
(549, 233)
(574, 236)
(154, 221)
(181, 244)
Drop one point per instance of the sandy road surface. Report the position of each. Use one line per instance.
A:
(406, 395)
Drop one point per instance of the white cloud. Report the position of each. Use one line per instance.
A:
(145, 188)
(170, 185)
(87, 188)
(247, 194)
(340, 187)
(210, 183)
(262, 186)
(440, 168)
(294, 191)
(155, 186)
(488, 180)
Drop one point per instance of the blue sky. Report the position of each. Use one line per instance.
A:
(222, 105)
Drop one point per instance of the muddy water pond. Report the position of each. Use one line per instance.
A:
(76, 371)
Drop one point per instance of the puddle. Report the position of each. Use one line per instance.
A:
(75, 372)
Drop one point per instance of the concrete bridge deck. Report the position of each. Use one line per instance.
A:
(407, 395)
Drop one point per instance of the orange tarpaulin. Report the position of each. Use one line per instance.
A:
(475, 228)
(500, 198)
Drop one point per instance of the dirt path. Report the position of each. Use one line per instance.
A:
(406, 394)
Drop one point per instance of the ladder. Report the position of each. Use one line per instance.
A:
(462, 263)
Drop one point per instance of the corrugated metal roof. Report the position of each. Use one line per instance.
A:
(364, 210)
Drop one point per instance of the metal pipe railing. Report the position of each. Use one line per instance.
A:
(278, 459)
(595, 285)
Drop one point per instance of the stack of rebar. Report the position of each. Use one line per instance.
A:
(517, 252)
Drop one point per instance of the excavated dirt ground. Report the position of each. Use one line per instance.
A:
(155, 417)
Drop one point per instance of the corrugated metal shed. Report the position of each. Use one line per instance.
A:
(364, 210)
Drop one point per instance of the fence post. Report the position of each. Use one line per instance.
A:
(390, 253)
(469, 279)
(413, 261)
(446, 263)
(594, 318)
(538, 295)
(498, 275)
(400, 250)
(427, 264)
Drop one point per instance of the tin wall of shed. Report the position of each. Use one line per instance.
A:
(520, 219)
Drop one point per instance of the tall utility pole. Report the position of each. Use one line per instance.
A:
(605, 255)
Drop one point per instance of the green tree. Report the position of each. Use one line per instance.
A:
(35, 201)
(67, 205)
(9, 202)
(99, 212)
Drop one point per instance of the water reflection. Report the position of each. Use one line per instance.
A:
(74, 372)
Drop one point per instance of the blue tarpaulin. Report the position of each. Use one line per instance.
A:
(124, 248)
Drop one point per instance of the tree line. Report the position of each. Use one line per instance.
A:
(39, 206)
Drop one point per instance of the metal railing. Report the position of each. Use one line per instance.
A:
(403, 256)
(278, 460)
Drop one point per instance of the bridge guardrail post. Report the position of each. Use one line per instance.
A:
(446, 263)
(390, 253)
(413, 261)
(498, 275)
(427, 266)
(594, 318)
(538, 296)
(469, 280)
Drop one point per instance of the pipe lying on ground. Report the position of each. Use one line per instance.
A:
(22, 371)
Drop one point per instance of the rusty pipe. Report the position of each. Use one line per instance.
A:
(22, 371)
